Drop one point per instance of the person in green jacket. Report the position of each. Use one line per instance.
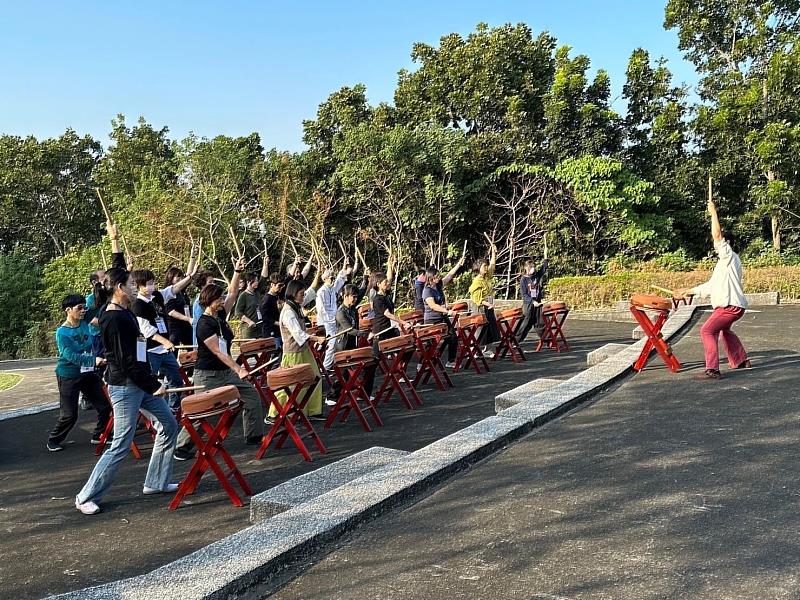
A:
(76, 373)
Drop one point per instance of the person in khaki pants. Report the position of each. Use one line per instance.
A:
(215, 367)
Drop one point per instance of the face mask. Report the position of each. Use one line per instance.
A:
(150, 287)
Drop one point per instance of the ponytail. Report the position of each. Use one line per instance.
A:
(114, 277)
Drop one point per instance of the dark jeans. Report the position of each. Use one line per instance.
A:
(531, 317)
(490, 334)
(450, 341)
(68, 389)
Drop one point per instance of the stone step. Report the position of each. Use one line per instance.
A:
(595, 357)
(637, 333)
(320, 481)
(523, 392)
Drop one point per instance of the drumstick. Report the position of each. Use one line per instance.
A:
(234, 340)
(661, 289)
(341, 333)
(380, 333)
(185, 347)
(235, 242)
(264, 366)
(105, 208)
(105, 262)
(188, 388)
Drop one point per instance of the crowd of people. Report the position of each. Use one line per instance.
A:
(124, 336)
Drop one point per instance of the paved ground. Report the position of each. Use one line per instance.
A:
(667, 488)
(38, 385)
(48, 547)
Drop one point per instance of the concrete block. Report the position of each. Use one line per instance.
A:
(595, 357)
(523, 392)
(637, 333)
(320, 481)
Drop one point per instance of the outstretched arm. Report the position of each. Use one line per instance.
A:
(716, 230)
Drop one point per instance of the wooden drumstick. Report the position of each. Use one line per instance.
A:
(340, 334)
(380, 333)
(661, 289)
(185, 347)
(188, 388)
(105, 208)
(240, 340)
(264, 366)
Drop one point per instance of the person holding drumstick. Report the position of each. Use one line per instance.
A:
(132, 387)
(295, 344)
(481, 292)
(727, 300)
(436, 311)
(214, 366)
(383, 307)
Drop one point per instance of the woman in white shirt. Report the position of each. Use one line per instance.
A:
(295, 343)
(728, 302)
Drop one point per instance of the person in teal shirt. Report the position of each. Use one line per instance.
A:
(76, 373)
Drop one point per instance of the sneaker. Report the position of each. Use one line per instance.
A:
(96, 441)
(708, 374)
(419, 367)
(745, 365)
(489, 354)
(330, 402)
(54, 447)
(254, 440)
(319, 417)
(450, 365)
(183, 454)
(87, 508)
(170, 489)
(269, 421)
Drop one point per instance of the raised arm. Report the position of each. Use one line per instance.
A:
(452, 273)
(307, 268)
(233, 286)
(716, 230)
(265, 264)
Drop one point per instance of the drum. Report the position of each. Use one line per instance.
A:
(316, 330)
(345, 357)
(365, 324)
(401, 342)
(257, 346)
(509, 313)
(210, 402)
(460, 307)
(651, 301)
(555, 306)
(413, 315)
(187, 359)
(471, 320)
(289, 376)
(363, 310)
(432, 331)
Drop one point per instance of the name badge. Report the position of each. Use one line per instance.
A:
(141, 349)
(87, 369)
(186, 311)
(160, 325)
(223, 345)
(258, 314)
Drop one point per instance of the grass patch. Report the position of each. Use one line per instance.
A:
(9, 380)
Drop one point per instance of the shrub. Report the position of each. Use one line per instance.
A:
(20, 293)
(69, 274)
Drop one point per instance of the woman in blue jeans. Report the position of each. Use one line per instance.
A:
(131, 385)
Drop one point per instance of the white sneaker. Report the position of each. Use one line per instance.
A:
(419, 366)
(87, 508)
(450, 365)
(488, 354)
(329, 402)
(171, 488)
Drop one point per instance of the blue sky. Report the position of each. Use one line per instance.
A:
(235, 67)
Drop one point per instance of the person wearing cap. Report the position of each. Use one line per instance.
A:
(75, 373)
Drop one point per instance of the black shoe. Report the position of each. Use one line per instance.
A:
(54, 447)
(183, 454)
(708, 374)
(745, 365)
(319, 417)
(254, 440)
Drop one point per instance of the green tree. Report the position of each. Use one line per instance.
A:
(20, 288)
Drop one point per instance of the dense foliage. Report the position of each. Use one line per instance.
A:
(501, 131)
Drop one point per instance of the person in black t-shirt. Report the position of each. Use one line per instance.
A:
(131, 386)
(178, 309)
(271, 309)
(215, 367)
(383, 306)
(436, 312)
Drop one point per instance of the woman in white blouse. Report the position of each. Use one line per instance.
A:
(295, 342)
(727, 300)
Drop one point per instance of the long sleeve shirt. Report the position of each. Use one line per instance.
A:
(531, 285)
(326, 300)
(347, 318)
(293, 332)
(725, 285)
(482, 287)
(74, 350)
(120, 338)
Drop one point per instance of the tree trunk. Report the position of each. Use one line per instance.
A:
(776, 232)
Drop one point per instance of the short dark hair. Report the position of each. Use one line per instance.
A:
(431, 272)
(93, 278)
(729, 237)
(72, 300)
(209, 294)
(351, 290)
(171, 273)
(275, 278)
(252, 276)
(476, 266)
(142, 276)
(200, 278)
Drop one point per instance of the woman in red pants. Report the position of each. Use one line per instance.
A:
(727, 300)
